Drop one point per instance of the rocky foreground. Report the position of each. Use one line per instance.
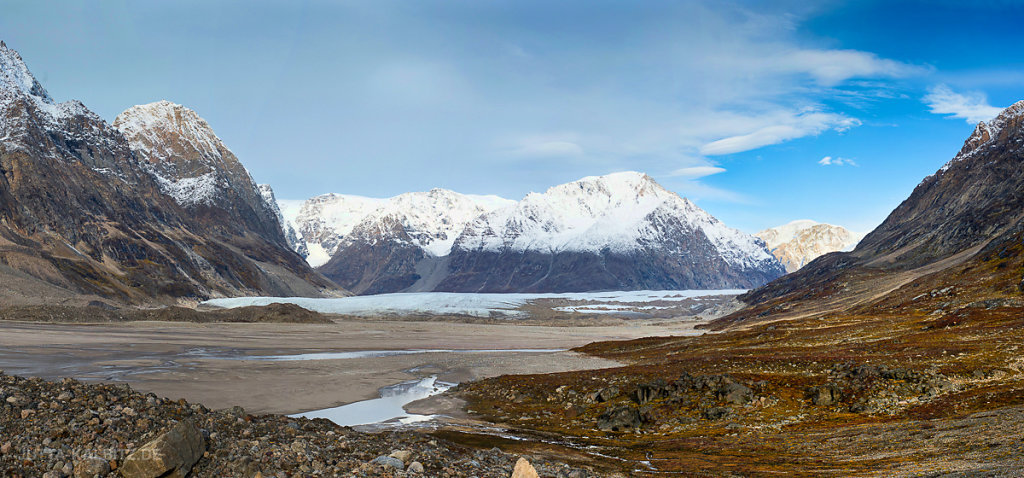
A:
(69, 428)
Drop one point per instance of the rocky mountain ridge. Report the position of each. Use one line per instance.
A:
(81, 212)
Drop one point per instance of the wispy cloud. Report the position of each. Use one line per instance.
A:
(694, 172)
(836, 161)
(784, 128)
(972, 106)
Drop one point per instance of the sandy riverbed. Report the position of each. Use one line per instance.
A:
(206, 362)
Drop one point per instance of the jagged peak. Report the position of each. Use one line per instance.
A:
(986, 132)
(15, 75)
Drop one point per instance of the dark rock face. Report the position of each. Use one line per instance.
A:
(377, 261)
(655, 269)
(974, 201)
(80, 211)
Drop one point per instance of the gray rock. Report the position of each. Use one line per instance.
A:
(415, 467)
(389, 461)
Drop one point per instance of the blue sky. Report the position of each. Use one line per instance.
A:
(762, 112)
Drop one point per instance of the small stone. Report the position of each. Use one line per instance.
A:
(403, 455)
(5, 448)
(27, 413)
(524, 469)
(415, 467)
(91, 466)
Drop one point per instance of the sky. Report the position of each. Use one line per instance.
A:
(761, 112)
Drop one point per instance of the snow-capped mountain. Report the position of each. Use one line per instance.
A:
(194, 167)
(433, 218)
(619, 231)
(800, 242)
(82, 212)
(388, 247)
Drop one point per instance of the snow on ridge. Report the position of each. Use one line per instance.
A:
(18, 81)
(616, 211)
(985, 134)
(433, 219)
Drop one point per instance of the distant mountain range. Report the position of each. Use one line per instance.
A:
(620, 231)
(799, 242)
(153, 208)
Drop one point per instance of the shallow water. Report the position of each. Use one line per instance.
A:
(386, 409)
(385, 353)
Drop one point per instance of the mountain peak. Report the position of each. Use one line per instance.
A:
(15, 75)
(1006, 124)
(144, 124)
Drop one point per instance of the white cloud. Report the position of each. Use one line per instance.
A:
(972, 106)
(836, 161)
(694, 172)
(783, 128)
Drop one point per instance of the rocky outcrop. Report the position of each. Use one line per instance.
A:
(83, 212)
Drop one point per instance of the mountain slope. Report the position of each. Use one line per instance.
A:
(953, 228)
(799, 242)
(620, 231)
(80, 211)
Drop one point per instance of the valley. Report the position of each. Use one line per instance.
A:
(569, 315)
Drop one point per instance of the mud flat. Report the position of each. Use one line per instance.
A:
(224, 364)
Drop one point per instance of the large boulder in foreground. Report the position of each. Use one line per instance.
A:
(170, 455)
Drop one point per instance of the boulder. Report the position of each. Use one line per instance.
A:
(826, 395)
(619, 419)
(524, 469)
(169, 455)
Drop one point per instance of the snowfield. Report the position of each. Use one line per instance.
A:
(476, 305)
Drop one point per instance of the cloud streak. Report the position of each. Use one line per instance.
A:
(972, 106)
